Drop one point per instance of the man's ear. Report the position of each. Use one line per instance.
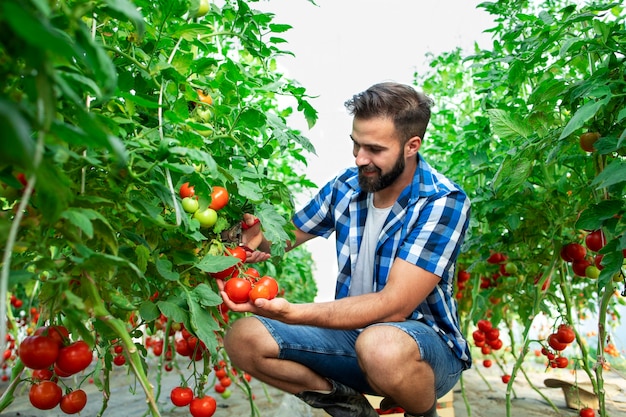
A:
(413, 146)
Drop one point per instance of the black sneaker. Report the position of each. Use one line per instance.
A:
(342, 401)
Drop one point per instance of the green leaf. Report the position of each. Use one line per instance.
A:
(164, 267)
(584, 113)
(129, 10)
(593, 217)
(213, 263)
(16, 147)
(614, 173)
(203, 324)
(508, 126)
(512, 174)
(279, 28)
(79, 219)
(173, 311)
(204, 295)
(149, 311)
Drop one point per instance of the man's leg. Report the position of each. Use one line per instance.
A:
(252, 348)
(394, 367)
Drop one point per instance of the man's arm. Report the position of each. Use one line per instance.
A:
(407, 287)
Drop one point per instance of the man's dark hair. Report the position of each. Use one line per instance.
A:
(408, 108)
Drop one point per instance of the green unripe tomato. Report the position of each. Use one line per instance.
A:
(226, 394)
(510, 268)
(190, 204)
(206, 217)
(592, 272)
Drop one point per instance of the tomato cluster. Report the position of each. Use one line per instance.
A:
(51, 354)
(244, 289)
(207, 217)
(559, 341)
(576, 254)
(203, 406)
(487, 338)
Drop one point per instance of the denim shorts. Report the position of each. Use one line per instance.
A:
(331, 353)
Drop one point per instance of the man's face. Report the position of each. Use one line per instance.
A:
(377, 152)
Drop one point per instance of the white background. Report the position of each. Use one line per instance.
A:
(342, 47)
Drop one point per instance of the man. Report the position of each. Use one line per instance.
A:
(393, 328)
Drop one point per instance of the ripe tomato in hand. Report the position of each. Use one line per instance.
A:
(270, 283)
(237, 252)
(238, 290)
(75, 357)
(202, 407)
(38, 351)
(45, 395)
(259, 291)
(219, 198)
(73, 402)
(181, 396)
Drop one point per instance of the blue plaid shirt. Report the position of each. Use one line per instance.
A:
(426, 227)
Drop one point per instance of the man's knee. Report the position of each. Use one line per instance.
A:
(248, 337)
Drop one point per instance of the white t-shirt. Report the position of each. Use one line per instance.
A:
(362, 281)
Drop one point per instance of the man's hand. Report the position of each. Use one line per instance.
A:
(276, 308)
(251, 238)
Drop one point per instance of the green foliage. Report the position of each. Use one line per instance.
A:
(107, 108)
(506, 126)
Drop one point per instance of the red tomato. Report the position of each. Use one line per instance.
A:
(484, 325)
(478, 336)
(506, 378)
(595, 240)
(42, 374)
(202, 407)
(38, 352)
(58, 333)
(252, 273)
(259, 291)
(492, 334)
(73, 402)
(219, 198)
(463, 276)
(269, 282)
(238, 290)
(496, 258)
(225, 382)
(45, 395)
(565, 334)
(579, 266)
(561, 362)
(187, 190)
(496, 344)
(555, 344)
(119, 360)
(75, 357)
(587, 412)
(181, 396)
(575, 251)
(487, 363)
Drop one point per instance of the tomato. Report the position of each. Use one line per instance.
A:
(555, 344)
(595, 240)
(219, 388)
(204, 98)
(575, 251)
(561, 362)
(206, 217)
(587, 140)
(181, 396)
(252, 273)
(496, 344)
(492, 334)
(187, 190)
(182, 347)
(61, 373)
(478, 336)
(565, 334)
(190, 204)
(259, 291)
(463, 276)
(506, 378)
(592, 272)
(238, 290)
(119, 360)
(587, 412)
(597, 261)
(58, 333)
(225, 382)
(496, 258)
(202, 407)
(271, 283)
(484, 325)
(38, 351)
(45, 395)
(75, 357)
(487, 363)
(219, 198)
(42, 374)
(580, 267)
(73, 402)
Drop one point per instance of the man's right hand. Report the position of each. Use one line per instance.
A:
(252, 238)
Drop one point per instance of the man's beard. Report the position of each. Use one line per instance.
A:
(380, 181)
